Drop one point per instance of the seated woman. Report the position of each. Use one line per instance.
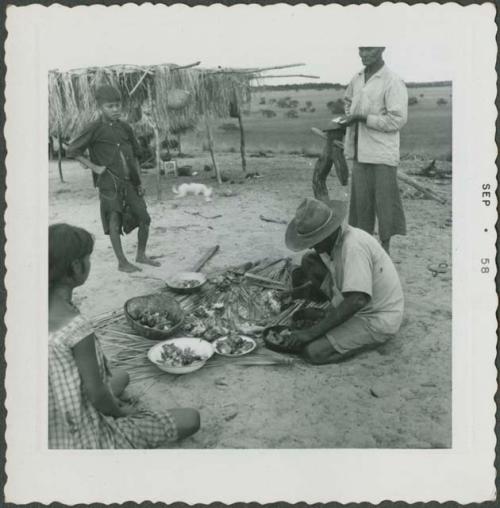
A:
(85, 410)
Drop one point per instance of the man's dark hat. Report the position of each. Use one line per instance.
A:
(107, 93)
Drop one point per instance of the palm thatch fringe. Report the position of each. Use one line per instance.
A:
(72, 103)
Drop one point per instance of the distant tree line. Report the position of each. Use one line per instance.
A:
(301, 86)
(337, 86)
(428, 84)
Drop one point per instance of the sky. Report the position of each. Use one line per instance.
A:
(422, 41)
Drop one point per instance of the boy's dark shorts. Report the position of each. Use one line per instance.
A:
(125, 201)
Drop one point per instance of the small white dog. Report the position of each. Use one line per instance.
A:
(193, 188)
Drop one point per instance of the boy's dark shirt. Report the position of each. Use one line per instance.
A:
(106, 140)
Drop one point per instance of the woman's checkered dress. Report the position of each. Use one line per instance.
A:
(73, 420)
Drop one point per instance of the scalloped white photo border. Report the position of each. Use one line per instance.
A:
(465, 473)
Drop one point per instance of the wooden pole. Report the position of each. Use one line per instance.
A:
(255, 69)
(156, 131)
(242, 132)
(158, 160)
(179, 148)
(52, 154)
(167, 147)
(188, 66)
(130, 68)
(59, 154)
(205, 258)
(286, 76)
(145, 73)
(424, 190)
(211, 149)
(242, 143)
(210, 140)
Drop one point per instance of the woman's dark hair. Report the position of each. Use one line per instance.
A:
(66, 244)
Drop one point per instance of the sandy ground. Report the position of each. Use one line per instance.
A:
(285, 407)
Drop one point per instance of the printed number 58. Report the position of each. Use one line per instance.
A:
(485, 265)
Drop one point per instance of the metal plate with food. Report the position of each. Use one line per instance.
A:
(181, 355)
(234, 345)
(186, 282)
(275, 338)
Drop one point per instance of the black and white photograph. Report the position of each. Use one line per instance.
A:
(259, 231)
(267, 213)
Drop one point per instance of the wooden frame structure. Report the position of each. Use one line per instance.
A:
(72, 103)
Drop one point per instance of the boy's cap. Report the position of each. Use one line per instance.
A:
(107, 93)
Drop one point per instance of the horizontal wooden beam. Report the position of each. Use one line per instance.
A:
(195, 64)
(256, 69)
(287, 76)
(148, 69)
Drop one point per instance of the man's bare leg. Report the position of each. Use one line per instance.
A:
(116, 243)
(142, 241)
(320, 352)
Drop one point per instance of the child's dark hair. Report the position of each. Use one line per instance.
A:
(66, 244)
(107, 93)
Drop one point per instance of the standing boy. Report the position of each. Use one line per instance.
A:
(113, 159)
(376, 110)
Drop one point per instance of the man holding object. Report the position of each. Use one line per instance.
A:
(348, 267)
(376, 107)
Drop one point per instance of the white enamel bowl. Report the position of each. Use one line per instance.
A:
(199, 346)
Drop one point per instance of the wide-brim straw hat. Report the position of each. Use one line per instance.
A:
(313, 222)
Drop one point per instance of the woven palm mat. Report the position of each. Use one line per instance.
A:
(245, 302)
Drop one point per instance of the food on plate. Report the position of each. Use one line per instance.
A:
(270, 299)
(213, 332)
(187, 283)
(234, 345)
(157, 320)
(179, 357)
(306, 318)
(301, 324)
(206, 328)
(197, 329)
(278, 337)
(203, 312)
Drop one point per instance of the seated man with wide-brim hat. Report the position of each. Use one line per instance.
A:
(348, 267)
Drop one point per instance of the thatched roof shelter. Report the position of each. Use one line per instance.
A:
(161, 99)
(146, 88)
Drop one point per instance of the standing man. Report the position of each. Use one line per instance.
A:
(376, 106)
(113, 160)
